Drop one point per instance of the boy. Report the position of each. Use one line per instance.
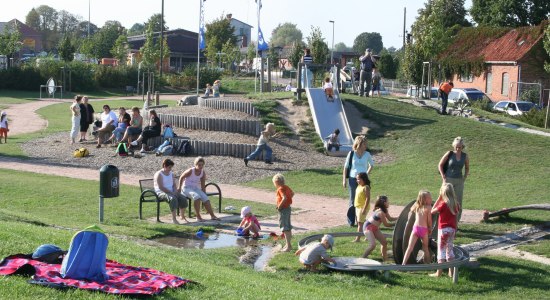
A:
(284, 200)
(328, 89)
(313, 254)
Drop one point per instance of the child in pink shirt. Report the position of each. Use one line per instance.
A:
(249, 223)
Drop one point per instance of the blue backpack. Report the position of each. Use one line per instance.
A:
(86, 258)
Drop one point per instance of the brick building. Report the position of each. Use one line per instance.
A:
(31, 39)
(513, 60)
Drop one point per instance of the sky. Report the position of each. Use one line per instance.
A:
(351, 17)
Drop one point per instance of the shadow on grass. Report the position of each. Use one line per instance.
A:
(324, 172)
(388, 122)
(507, 219)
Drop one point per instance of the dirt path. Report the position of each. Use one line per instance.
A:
(315, 212)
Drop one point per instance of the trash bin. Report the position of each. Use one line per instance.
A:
(109, 181)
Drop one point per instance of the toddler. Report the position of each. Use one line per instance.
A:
(249, 223)
(216, 89)
(327, 86)
(207, 90)
(422, 227)
(4, 127)
(372, 227)
(362, 201)
(284, 200)
(448, 208)
(333, 140)
(313, 254)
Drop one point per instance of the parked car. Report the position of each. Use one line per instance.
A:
(469, 94)
(515, 108)
(412, 92)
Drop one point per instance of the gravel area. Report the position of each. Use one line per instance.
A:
(289, 152)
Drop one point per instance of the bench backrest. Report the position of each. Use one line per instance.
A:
(147, 184)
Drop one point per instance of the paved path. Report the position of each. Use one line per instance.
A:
(315, 212)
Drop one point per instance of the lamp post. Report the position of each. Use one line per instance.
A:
(161, 37)
(332, 49)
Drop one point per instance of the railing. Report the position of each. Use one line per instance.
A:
(245, 107)
(250, 127)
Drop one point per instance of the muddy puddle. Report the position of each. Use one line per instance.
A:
(206, 241)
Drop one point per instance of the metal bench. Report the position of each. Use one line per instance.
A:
(148, 195)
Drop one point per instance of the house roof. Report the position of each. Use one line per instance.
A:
(178, 40)
(494, 44)
(23, 28)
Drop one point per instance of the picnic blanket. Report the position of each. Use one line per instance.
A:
(123, 279)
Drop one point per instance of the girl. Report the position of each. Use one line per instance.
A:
(262, 145)
(249, 223)
(75, 119)
(422, 225)
(327, 87)
(216, 89)
(448, 208)
(4, 127)
(333, 140)
(362, 201)
(372, 227)
(207, 90)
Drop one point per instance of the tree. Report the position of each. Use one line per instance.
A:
(296, 54)
(285, 34)
(387, 65)
(119, 50)
(372, 40)
(67, 22)
(156, 20)
(33, 20)
(547, 47)
(47, 25)
(82, 29)
(10, 40)
(66, 49)
(232, 55)
(341, 47)
(250, 53)
(217, 34)
(136, 29)
(509, 13)
(150, 51)
(317, 45)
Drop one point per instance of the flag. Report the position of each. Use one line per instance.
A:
(262, 44)
(202, 43)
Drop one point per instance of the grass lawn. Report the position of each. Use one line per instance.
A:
(540, 247)
(508, 167)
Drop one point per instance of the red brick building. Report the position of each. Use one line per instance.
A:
(513, 60)
(31, 39)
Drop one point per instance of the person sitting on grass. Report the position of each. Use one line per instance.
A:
(249, 223)
(192, 184)
(313, 254)
(150, 131)
(165, 187)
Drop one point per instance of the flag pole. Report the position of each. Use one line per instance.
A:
(201, 16)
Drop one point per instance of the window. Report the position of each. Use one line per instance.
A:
(505, 83)
(489, 83)
(466, 78)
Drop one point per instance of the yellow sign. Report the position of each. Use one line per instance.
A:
(29, 43)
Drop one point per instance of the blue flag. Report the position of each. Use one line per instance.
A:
(202, 44)
(262, 44)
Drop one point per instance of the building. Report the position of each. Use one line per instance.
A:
(242, 31)
(30, 38)
(512, 61)
(183, 46)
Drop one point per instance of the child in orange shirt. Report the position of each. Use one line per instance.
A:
(284, 200)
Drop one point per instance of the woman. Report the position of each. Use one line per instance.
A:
(75, 119)
(192, 185)
(123, 123)
(450, 169)
(150, 131)
(90, 110)
(109, 122)
(135, 126)
(358, 160)
(84, 125)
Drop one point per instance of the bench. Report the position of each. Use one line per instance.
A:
(130, 90)
(148, 195)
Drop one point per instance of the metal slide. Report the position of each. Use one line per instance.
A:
(329, 115)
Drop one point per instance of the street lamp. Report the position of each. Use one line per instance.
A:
(332, 50)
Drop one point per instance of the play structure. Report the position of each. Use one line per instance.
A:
(327, 114)
(507, 211)
(400, 239)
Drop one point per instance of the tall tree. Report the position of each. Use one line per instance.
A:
(316, 43)
(10, 40)
(48, 26)
(155, 21)
(136, 29)
(387, 65)
(67, 22)
(250, 53)
(33, 19)
(510, 13)
(341, 47)
(547, 47)
(119, 50)
(296, 53)
(217, 34)
(66, 49)
(232, 55)
(150, 51)
(82, 29)
(285, 34)
(372, 40)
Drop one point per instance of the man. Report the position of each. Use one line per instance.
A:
(444, 90)
(165, 187)
(367, 65)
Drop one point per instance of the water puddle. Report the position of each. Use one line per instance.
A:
(207, 241)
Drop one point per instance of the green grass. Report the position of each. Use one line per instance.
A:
(236, 85)
(540, 247)
(508, 167)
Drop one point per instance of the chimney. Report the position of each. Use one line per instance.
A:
(229, 16)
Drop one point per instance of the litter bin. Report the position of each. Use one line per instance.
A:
(109, 181)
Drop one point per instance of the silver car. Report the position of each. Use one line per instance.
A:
(514, 108)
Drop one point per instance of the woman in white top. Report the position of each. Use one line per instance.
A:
(109, 121)
(192, 185)
(75, 119)
(361, 161)
(165, 187)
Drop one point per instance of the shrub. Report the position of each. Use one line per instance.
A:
(484, 104)
(26, 79)
(534, 117)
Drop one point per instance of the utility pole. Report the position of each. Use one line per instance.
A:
(161, 37)
(404, 25)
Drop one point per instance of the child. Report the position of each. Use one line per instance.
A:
(422, 227)
(207, 90)
(328, 89)
(249, 223)
(372, 227)
(4, 127)
(216, 89)
(313, 254)
(284, 200)
(262, 145)
(448, 208)
(376, 80)
(333, 140)
(362, 201)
